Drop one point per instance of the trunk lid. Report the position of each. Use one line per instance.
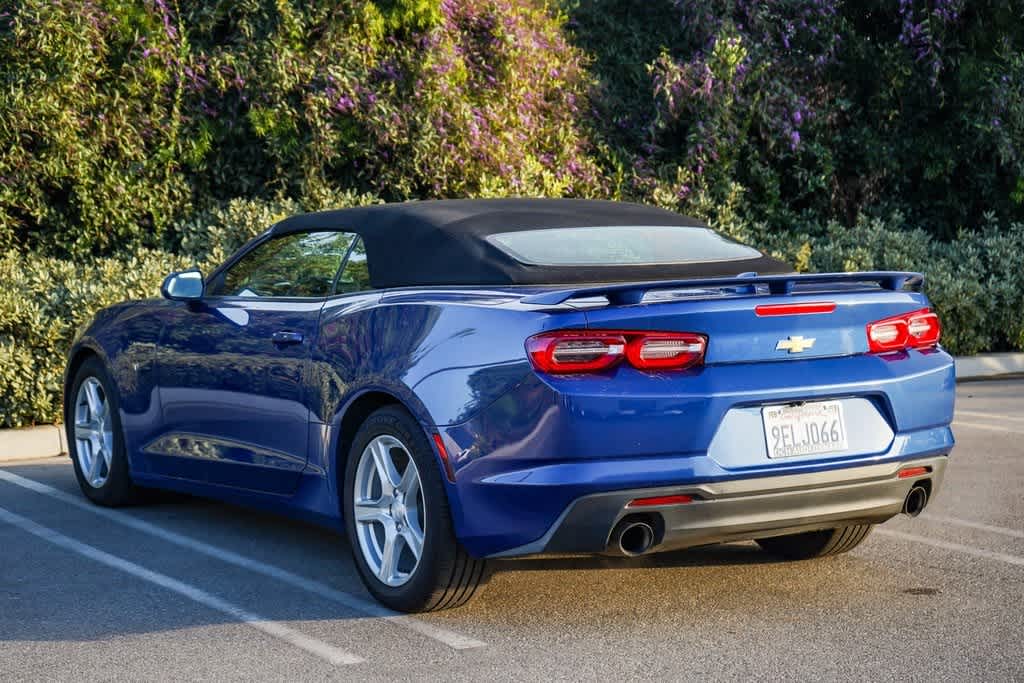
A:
(825, 315)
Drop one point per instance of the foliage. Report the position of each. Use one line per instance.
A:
(788, 111)
(975, 281)
(45, 300)
(119, 116)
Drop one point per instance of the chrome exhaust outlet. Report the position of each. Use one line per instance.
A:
(632, 538)
(915, 501)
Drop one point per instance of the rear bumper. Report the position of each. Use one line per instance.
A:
(741, 509)
(524, 460)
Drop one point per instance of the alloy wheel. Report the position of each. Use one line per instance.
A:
(94, 435)
(389, 512)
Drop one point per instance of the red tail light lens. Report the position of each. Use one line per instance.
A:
(914, 330)
(575, 351)
(665, 350)
(582, 351)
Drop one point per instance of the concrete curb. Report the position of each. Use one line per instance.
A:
(49, 441)
(989, 365)
(32, 443)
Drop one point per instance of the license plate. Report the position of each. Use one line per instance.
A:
(804, 429)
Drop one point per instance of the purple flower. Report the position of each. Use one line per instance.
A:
(794, 140)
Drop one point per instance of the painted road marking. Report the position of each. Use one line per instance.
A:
(453, 640)
(974, 525)
(316, 647)
(991, 416)
(955, 547)
(993, 428)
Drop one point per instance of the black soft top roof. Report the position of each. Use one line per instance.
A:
(444, 242)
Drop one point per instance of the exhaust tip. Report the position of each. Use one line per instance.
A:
(915, 501)
(636, 538)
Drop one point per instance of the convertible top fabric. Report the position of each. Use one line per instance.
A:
(444, 242)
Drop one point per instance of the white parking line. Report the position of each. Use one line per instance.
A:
(451, 639)
(956, 547)
(317, 647)
(975, 525)
(993, 416)
(991, 428)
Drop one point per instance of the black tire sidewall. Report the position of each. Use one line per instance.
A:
(118, 489)
(439, 543)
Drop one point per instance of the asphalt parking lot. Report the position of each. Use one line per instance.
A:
(189, 589)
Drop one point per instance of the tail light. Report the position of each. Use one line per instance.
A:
(582, 351)
(914, 330)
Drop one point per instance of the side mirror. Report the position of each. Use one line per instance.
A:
(187, 285)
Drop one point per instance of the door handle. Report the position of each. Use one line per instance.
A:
(286, 337)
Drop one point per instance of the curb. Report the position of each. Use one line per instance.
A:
(32, 443)
(989, 365)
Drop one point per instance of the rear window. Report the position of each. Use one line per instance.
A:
(620, 245)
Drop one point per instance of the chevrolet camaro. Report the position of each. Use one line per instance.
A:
(453, 381)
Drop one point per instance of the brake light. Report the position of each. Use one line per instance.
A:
(807, 308)
(914, 330)
(584, 351)
(575, 351)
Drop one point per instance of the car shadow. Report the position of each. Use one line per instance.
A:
(731, 554)
(41, 583)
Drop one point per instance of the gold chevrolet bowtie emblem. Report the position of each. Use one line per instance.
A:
(794, 344)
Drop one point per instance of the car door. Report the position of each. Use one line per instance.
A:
(233, 366)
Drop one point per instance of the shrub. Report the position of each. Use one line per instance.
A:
(796, 111)
(43, 303)
(975, 282)
(121, 116)
(45, 300)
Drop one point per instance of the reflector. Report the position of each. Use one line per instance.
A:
(660, 500)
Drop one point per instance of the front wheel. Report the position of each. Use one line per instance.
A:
(811, 544)
(398, 520)
(95, 438)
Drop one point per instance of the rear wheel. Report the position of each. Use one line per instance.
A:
(398, 521)
(813, 544)
(95, 438)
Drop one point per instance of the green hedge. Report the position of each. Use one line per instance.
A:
(975, 282)
(44, 300)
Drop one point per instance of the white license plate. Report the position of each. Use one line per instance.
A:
(804, 429)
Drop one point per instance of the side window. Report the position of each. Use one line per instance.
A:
(355, 276)
(301, 264)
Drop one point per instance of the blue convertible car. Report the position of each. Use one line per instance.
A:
(448, 382)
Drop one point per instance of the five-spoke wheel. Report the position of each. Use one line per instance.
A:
(389, 510)
(398, 520)
(95, 438)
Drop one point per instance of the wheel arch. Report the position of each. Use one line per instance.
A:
(76, 358)
(351, 418)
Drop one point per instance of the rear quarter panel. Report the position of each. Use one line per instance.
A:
(446, 358)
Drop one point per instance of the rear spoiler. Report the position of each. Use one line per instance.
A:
(627, 293)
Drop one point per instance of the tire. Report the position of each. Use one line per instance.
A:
(110, 484)
(811, 544)
(444, 575)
